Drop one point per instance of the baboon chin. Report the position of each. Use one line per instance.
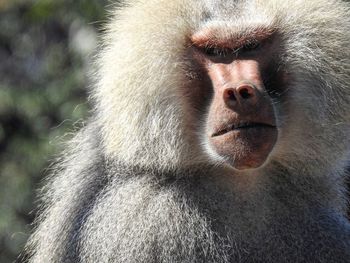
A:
(220, 134)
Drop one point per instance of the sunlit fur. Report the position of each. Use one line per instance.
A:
(140, 184)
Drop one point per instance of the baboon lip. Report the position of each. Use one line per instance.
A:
(242, 126)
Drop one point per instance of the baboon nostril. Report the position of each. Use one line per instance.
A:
(245, 94)
(231, 95)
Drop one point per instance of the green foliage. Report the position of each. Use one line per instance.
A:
(43, 81)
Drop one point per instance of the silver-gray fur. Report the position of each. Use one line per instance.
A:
(137, 184)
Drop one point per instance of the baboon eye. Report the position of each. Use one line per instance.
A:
(250, 46)
(216, 51)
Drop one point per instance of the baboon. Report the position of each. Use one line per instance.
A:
(219, 133)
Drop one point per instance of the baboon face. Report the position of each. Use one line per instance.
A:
(241, 123)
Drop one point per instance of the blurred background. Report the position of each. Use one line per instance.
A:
(45, 53)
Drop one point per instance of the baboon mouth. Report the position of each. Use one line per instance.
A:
(242, 126)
